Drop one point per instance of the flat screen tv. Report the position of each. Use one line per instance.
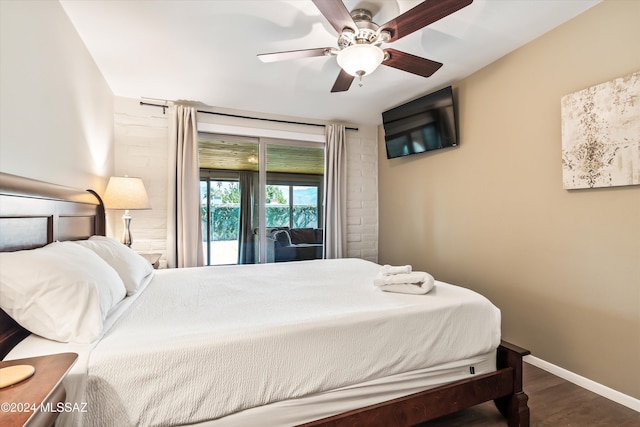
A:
(424, 124)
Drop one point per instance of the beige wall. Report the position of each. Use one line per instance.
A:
(491, 215)
(56, 109)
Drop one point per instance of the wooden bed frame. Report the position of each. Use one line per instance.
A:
(35, 213)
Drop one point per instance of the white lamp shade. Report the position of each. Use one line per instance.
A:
(360, 59)
(125, 192)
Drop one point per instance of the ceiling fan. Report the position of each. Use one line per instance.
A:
(359, 50)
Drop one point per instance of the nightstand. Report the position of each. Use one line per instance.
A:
(43, 391)
(154, 259)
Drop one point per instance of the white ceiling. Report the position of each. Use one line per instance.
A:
(205, 51)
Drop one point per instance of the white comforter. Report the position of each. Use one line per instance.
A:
(203, 343)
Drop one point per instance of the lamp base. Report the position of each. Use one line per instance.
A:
(126, 232)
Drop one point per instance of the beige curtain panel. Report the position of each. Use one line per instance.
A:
(335, 203)
(184, 233)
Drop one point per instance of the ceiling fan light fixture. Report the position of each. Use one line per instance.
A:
(360, 59)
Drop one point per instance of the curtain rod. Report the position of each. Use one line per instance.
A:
(164, 107)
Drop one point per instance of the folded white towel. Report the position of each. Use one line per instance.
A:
(388, 270)
(417, 282)
(400, 278)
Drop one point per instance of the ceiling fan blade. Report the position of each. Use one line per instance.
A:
(293, 54)
(411, 63)
(343, 82)
(422, 15)
(337, 14)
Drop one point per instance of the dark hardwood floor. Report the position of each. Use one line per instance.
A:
(553, 402)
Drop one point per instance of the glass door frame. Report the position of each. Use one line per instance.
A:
(262, 143)
(215, 175)
(262, 161)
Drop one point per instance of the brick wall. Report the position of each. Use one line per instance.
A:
(141, 150)
(362, 197)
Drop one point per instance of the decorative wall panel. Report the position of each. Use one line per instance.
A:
(601, 135)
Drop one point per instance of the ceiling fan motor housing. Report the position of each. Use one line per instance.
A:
(368, 31)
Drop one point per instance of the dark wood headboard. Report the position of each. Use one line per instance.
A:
(35, 213)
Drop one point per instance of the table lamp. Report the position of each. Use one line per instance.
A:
(128, 193)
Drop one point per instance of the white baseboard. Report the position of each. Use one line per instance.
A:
(602, 390)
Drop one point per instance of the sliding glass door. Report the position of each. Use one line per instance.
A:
(294, 183)
(229, 184)
(251, 189)
(220, 212)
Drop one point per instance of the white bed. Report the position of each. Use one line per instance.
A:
(230, 337)
(311, 343)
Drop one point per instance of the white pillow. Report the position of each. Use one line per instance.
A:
(133, 269)
(61, 291)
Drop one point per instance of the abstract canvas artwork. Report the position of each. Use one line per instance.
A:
(601, 135)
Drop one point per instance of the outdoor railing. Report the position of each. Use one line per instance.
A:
(225, 219)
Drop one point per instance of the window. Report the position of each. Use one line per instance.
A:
(294, 201)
